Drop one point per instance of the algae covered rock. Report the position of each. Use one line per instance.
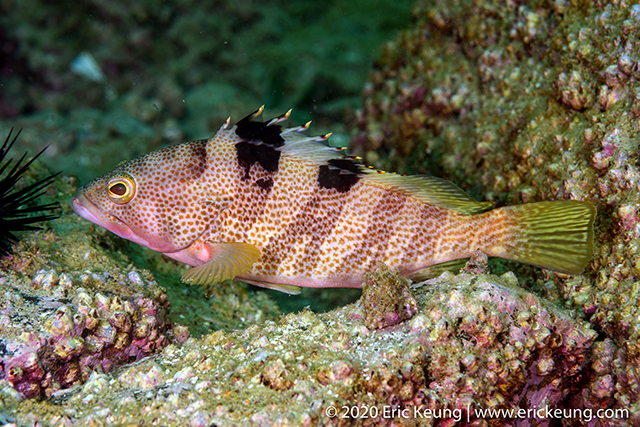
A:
(58, 328)
(477, 342)
(386, 299)
(521, 102)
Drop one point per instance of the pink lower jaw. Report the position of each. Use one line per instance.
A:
(89, 211)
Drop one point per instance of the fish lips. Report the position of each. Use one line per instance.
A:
(89, 211)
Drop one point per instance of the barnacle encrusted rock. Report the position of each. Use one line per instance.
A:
(528, 101)
(386, 299)
(495, 337)
(58, 328)
(477, 342)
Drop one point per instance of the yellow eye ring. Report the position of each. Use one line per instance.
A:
(121, 189)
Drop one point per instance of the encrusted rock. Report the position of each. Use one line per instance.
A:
(386, 299)
(275, 375)
(56, 343)
(474, 341)
(477, 264)
(550, 112)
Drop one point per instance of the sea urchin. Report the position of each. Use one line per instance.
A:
(17, 212)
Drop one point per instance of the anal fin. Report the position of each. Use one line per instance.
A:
(226, 261)
(437, 269)
(287, 289)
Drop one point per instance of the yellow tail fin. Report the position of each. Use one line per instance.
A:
(553, 235)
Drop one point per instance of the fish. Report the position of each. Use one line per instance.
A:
(271, 206)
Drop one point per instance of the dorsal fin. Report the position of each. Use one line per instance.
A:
(312, 149)
(290, 142)
(434, 191)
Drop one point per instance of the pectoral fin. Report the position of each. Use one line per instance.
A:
(226, 261)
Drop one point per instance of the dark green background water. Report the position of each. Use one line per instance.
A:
(174, 71)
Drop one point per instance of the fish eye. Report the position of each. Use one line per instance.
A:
(121, 189)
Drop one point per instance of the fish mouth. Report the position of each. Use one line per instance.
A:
(89, 211)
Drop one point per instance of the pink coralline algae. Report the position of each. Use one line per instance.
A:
(51, 344)
(493, 344)
(549, 111)
(472, 342)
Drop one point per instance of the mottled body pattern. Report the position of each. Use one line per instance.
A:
(316, 218)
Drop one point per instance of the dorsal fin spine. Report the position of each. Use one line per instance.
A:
(428, 189)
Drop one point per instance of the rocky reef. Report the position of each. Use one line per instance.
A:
(471, 342)
(523, 102)
(51, 343)
(515, 102)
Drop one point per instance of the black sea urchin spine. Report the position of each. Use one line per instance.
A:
(16, 214)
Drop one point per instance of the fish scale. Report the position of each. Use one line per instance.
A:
(276, 208)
